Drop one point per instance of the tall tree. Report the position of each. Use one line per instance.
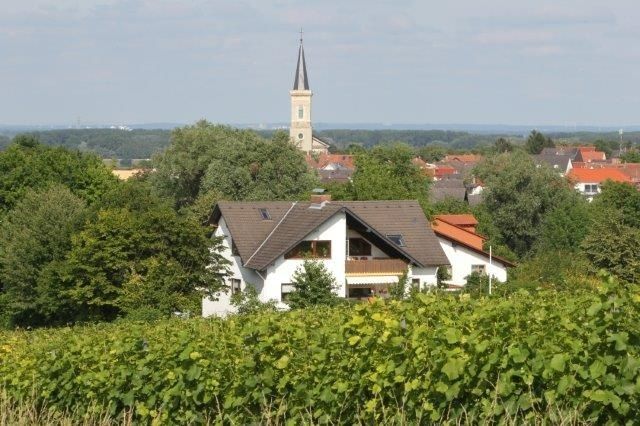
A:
(518, 197)
(236, 164)
(28, 164)
(537, 141)
(387, 173)
(35, 234)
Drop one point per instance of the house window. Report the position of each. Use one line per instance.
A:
(235, 285)
(300, 113)
(359, 247)
(285, 290)
(396, 239)
(480, 269)
(310, 249)
(264, 214)
(360, 293)
(415, 282)
(590, 188)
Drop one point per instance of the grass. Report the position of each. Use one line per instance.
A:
(28, 413)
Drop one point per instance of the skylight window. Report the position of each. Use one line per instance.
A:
(396, 239)
(264, 214)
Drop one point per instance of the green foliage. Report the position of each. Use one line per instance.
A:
(235, 164)
(247, 302)
(28, 164)
(433, 358)
(631, 156)
(503, 145)
(623, 197)
(33, 237)
(566, 225)
(551, 269)
(387, 173)
(314, 286)
(138, 257)
(536, 142)
(518, 197)
(398, 291)
(613, 245)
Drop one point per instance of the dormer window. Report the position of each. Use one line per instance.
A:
(396, 239)
(264, 214)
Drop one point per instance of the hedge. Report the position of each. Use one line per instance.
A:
(433, 358)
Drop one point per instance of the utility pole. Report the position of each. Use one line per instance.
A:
(490, 256)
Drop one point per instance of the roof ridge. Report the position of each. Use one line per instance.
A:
(462, 229)
(271, 233)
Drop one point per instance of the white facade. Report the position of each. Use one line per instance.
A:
(588, 189)
(269, 283)
(464, 260)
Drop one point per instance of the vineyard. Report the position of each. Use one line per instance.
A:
(433, 358)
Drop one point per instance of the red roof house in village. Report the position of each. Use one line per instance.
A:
(589, 180)
(464, 249)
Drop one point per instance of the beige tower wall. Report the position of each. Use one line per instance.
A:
(301, 126)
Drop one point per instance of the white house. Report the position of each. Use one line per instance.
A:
(588, 181)
(464, 249)
(366, 245)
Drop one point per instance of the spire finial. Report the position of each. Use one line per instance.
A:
(300, 35)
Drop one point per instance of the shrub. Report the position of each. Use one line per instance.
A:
(432, 358)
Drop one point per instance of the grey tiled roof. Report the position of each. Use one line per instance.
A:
(302, 81)
(260, 242)
(555, 161)
(447, 188)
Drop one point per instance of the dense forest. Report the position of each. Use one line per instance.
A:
(143, 144)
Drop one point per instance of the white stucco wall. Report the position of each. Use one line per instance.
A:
(427, 276)
(462, 258)
(222, 305)
(282, 270)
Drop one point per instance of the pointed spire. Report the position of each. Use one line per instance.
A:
(302, 81)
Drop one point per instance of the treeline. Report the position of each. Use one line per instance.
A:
(106, 143)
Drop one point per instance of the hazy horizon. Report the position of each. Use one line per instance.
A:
(499, 63)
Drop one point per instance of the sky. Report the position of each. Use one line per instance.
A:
(539, 62)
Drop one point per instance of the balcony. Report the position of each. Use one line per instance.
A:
(375, 267)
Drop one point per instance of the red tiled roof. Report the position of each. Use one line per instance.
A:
(443, 227)
(597, 175)
(347, 161)
(444, 171)
(463, 158)
(589, 156)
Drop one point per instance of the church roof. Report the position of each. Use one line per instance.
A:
(302, 81)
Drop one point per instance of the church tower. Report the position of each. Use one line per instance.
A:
(300, 131)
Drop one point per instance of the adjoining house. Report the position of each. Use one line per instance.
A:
(366, 245)
(464, 249)
(588, 181)
(444, 189)
(560, 162)
(332, 167)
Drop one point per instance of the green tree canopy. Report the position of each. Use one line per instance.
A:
(28, 164)
(387, 173)
(613, 245)
(139, 255)
(518, 197)
(537, 141)
(236, 164)
(623, 197)
(34, 234)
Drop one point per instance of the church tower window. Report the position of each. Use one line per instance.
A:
(300, 112)
(300, 136)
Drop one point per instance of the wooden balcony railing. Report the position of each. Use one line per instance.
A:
(375, 267)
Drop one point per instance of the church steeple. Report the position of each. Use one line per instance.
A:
(301, 131)
(302, 81)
